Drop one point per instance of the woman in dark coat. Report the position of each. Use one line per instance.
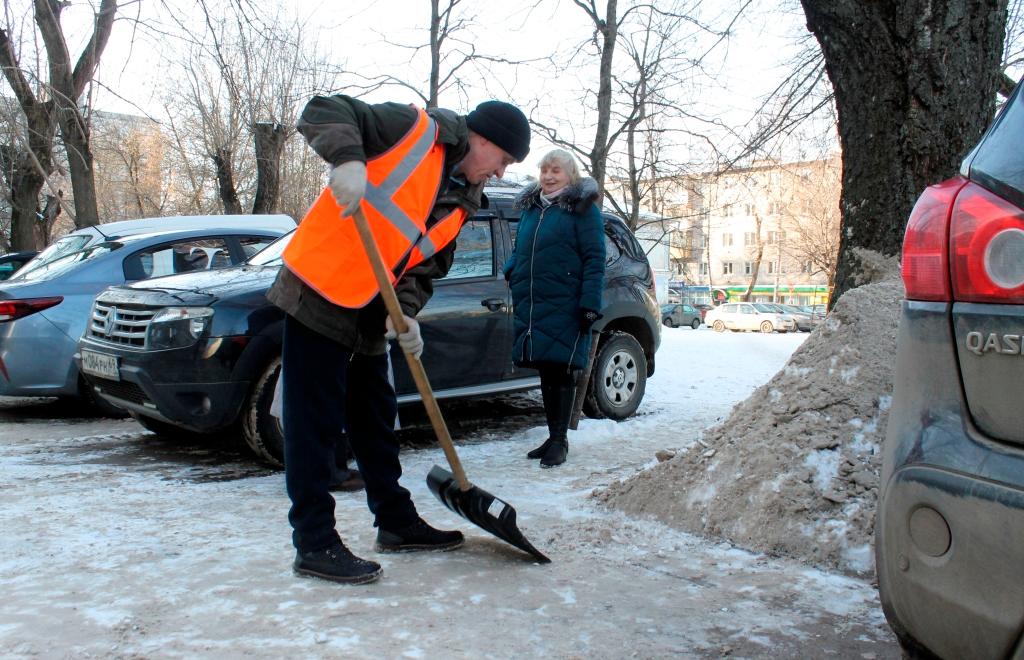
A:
(556, 276)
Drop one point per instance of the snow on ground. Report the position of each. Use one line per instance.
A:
(117, 544)
(793, 470)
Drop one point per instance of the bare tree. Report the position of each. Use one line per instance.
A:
(245, 77)
(67, 85)
(640, 99)
(915, 86)
(26, 155)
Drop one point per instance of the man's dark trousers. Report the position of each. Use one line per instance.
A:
(327, 387)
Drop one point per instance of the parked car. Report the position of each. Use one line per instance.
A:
(11, 262)
(676, 315)
(201, 352)
(703, 308)
(45, 307)
(748, 316)
(805, 321)
(949, 535)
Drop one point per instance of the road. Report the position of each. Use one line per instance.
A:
(120, 544)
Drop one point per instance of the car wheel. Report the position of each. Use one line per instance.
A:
(618, 380)
(695, 324)
(165, 429)
(767, 327)
(261, 430)
(719, 326)
(669, 322)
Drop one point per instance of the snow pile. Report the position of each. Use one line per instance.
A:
(794, 469)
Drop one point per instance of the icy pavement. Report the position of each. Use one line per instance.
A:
(112, 548)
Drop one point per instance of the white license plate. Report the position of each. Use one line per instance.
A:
(98, 364)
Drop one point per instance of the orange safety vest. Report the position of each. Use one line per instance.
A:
(401, 188)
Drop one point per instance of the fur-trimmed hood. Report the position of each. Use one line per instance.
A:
(576, 198)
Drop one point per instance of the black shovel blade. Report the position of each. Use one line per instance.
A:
(482, 509)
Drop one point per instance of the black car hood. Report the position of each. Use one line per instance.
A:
(199, 288)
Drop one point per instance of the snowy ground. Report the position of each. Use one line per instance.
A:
(118, 544)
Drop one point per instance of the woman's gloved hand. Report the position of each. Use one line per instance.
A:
(348, 184)
(411, 341)
(588, 317)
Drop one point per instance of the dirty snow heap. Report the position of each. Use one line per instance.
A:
(794, 469)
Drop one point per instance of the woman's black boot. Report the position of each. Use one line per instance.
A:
(556, 453)
(562, 397)
(549, 395)
(537, 452)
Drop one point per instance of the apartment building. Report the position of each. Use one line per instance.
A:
(768, 232)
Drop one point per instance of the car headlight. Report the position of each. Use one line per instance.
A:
(178, 327)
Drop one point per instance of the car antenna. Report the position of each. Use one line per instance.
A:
(97, 228)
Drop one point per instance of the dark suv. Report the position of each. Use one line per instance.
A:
(949, 539)
(201, 352)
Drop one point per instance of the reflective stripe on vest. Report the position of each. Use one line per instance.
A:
(401, 188)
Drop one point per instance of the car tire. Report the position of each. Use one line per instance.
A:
(261, 430)
(719, 326)
(767, 327)
(695, 324)
(669, 322)
(618, 379)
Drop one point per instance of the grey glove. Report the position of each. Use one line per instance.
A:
(348, 183)
(411, 341)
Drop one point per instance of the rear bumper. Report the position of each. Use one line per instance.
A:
(949, 537)
(197, 388)
(36, 359)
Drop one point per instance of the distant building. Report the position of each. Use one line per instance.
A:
(765, 232)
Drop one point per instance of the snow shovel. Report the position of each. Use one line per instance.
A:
(453, 488)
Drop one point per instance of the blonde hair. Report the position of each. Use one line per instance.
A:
(567, 162)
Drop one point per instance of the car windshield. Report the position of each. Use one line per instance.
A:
(271, 255)
(61, 247)
(65, 263)
(765, 307)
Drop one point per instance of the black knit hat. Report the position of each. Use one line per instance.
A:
(503, 124)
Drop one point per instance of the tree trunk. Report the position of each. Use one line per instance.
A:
(26, 184)
(226, 180)
(67, 83)
(915, 86)
(608, 29)
(755, 270)
(75, 135)
(269, 147)
(435, 53)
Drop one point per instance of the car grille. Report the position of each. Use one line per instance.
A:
(122, 390)
(122, 326)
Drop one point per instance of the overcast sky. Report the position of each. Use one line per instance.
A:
(741, 70)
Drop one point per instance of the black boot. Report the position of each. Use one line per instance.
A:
(417, 536)
(555, 454)
(549, 396)
(559, 447)
(537, 452)
(337, 564)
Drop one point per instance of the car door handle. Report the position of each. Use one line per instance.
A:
(494, 304)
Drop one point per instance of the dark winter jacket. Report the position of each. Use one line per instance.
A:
(342, 129)
(556, 273)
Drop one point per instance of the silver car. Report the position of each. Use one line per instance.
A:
(45, 307)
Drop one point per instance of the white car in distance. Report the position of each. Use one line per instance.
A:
(748, 316)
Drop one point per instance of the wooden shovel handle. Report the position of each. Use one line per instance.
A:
(387, 292)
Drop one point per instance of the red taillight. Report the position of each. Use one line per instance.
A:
(15, 309)
(925, 245)
(986, 239)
